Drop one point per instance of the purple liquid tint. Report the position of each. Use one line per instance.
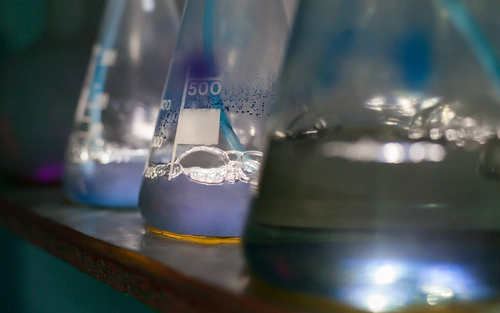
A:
(49, 173)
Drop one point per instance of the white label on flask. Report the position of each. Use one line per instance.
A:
(198, 127)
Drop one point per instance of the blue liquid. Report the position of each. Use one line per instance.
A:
(108, 185)
(186, 207)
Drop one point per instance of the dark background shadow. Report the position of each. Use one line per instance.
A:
(45, 47)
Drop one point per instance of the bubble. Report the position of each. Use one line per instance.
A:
(469, 122)
(417, 152)
(451, 134)
(416, 133)
(230, 166)
(251, 160)
(393, 153)
(434, 153)
(435, 133)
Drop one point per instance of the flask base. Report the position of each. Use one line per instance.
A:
(207, 240)
(379, 270)
(317, 303)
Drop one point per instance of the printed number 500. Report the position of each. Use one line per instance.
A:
(203, 88)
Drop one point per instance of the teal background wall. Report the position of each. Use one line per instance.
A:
(45, 46)
(33, 281)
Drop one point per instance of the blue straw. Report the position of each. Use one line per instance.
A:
(478, 42)
(109, 30)
(112, 19)
(208, 50)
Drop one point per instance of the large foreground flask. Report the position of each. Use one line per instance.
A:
(119, 102)
(380, 186)
(208, 140)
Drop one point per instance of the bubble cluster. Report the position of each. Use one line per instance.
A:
(100, 151)
(445, 122)
(233, 166)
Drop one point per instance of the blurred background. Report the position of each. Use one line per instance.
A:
(45, 46)
(44, 50)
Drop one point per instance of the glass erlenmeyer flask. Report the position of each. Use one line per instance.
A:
(119, 103)
(218, 95)
(380, 187)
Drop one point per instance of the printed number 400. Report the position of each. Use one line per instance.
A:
(203, 88)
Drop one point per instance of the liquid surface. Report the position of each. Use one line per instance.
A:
(378, 222)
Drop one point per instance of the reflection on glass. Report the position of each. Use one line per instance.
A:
(407, 277)
(412, 284)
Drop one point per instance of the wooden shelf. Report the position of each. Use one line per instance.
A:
(114, 247)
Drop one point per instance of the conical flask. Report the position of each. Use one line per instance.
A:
(118, 105)
(211, 125)
(380, 186)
